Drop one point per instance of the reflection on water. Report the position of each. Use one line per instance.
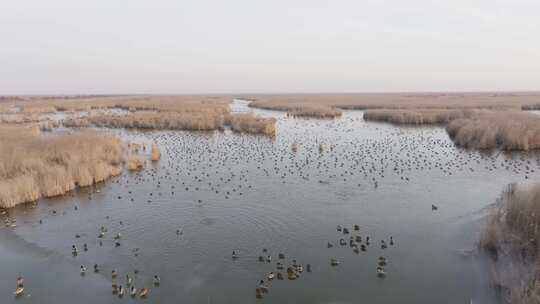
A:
(213, 193)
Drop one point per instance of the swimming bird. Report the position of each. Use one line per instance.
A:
(20, 282)
(381, 272)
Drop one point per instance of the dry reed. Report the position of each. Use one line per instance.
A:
(178, 103)
(151, 120)
(508, 130)
(511, 238)
(250, 123)
(513, 101)
(32, 166)
(195, 121)
(416, 116)
(156, 153)
(135, 163)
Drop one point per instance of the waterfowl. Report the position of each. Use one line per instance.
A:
(268, 259)
(342, 242)
(258, 293)
(133, 291)
(73, 250)
(261, 259)
(114, 288)
(113, 274)
(281, 255)
(279, 276)
(83, 270)
(433, 207)
(20, 282)
(270, 276)
(381, 272)
(234, 255)
(308, 267)
(339, 228)
(120, 291)
(279, 265)
(129, 280)
(19, 291)
(157, 280)
(144, 292)
(345, 230)
(329, 245)
(391, 241)
(118, 236)
(356, 227)
(263, 287)
(96, 269)
(85, 247)
(358, 239)
(334, 262)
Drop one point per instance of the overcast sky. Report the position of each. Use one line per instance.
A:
(203, 46)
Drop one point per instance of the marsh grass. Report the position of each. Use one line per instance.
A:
(250, 123)
(34, 166)
(156, 153)
(177, 103)
(135, 163)
(194, 121)
(509, 101)
(511, 238)
(417, 116)
(151, 120)
(508, 130)
(473, 128)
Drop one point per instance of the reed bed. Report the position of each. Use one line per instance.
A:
(135, 163)
(508, 101)
(177, 103)
(511, 238)
(151, 120)
(195, 121)
(316, 111)
(416, 116)
(156, 153)
(250, 123)
(33, 166)
(508, 130)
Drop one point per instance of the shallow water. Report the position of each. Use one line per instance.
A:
(225, 191)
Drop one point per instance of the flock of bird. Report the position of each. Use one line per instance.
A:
(294, 269)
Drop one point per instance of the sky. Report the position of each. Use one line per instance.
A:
(260, 46)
